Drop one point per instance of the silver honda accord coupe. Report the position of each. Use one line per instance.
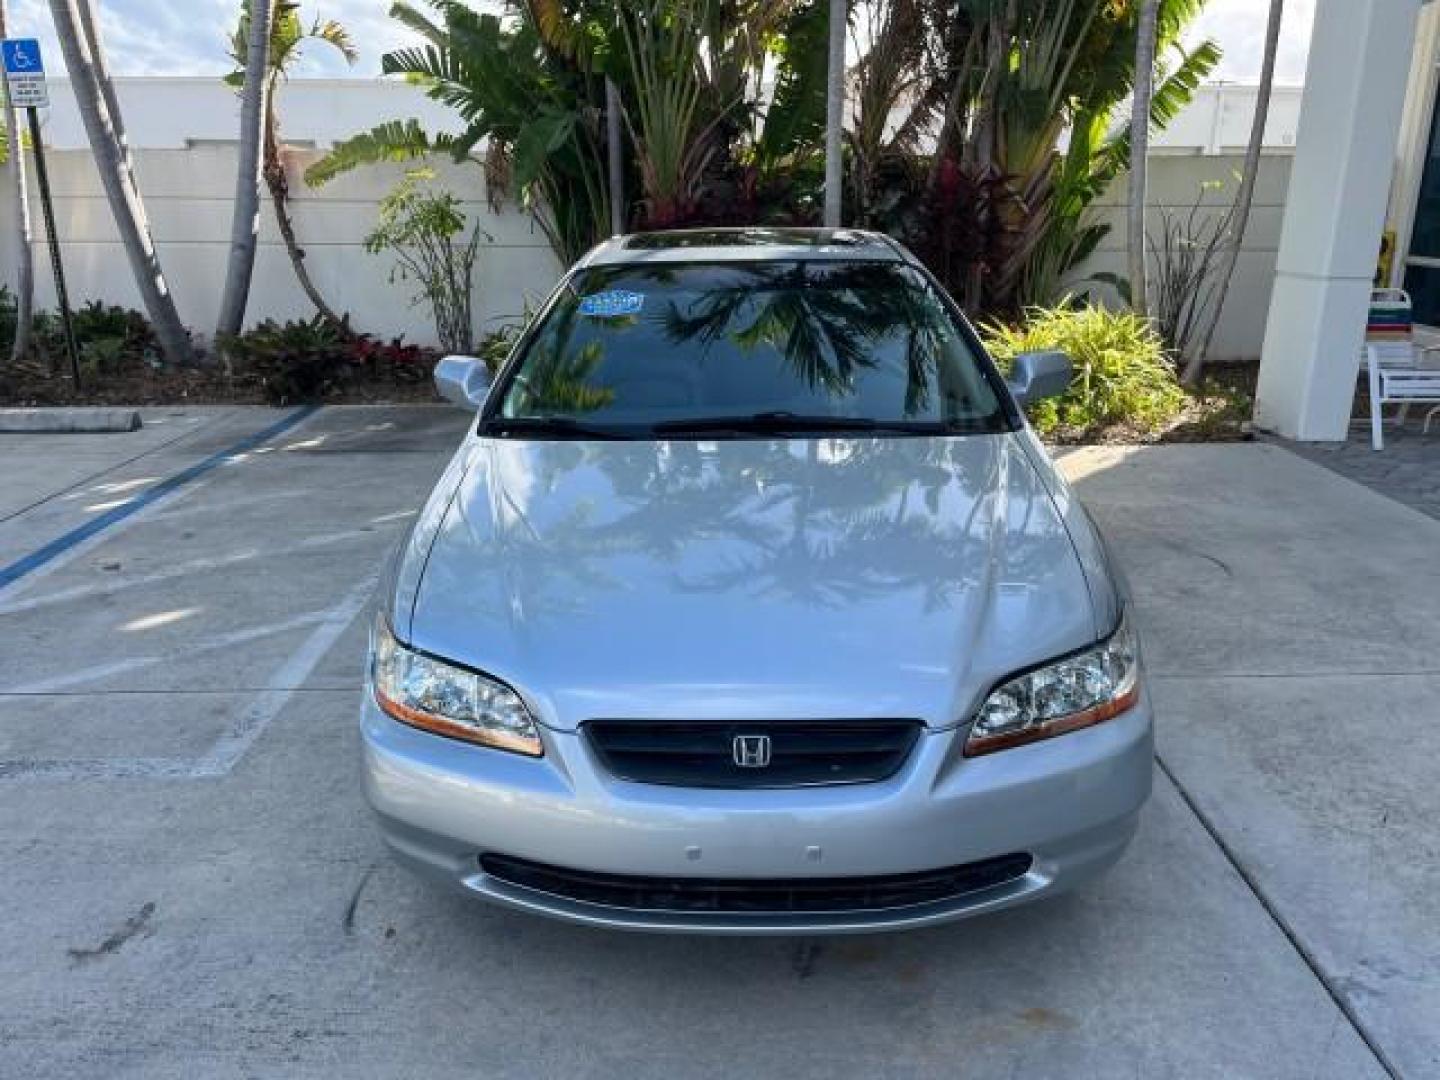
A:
(750, 604)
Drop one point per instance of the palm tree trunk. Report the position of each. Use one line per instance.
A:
(90, 26)
(835, 115)
(279, 186)
(20, 199)
(249, 173)
(1245, 197)
(981, 150)
(120, 188)
(1140, 151)
(614, 151)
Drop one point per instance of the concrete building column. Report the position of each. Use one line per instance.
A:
(1344, 163)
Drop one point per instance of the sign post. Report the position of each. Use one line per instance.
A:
(25, 84)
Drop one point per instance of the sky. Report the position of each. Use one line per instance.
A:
(1239, 27)
(188, 37)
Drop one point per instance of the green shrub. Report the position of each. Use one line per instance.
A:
(97, 319)
(424, 231)
(294, 361)
(9, 320)
(1123, 375)
(110, 336)
(494, 347)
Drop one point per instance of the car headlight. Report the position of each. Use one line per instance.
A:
(1076, 692)
(430, 694)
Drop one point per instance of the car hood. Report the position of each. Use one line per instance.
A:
(734, 579)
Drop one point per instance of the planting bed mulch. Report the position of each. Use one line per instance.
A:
(1219, 412)
(142, 386)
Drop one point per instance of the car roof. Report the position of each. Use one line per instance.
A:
(744, 245)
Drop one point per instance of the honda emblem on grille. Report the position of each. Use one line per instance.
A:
(752, 751)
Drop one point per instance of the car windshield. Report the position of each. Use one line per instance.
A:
(742, 348)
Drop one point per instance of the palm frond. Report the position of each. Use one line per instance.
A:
(335, 35)
(1173, 92)
(410, 17)
(394, 141)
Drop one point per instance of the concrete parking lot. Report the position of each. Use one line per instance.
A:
(191, 885)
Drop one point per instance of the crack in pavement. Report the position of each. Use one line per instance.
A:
(804, 956)
(137, 925)
(1335, 993)
(348, 922)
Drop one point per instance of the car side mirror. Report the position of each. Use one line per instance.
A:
(1037, 376)
(463, 381)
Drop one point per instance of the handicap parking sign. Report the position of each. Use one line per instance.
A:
(22, 56)
(24, 73)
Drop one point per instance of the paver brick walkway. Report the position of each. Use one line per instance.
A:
(1407, 470)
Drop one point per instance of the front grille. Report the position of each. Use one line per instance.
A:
(773, 896)
(800, 753)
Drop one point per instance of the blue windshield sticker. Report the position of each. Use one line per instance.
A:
(612, 305)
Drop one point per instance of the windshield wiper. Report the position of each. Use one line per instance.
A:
(562, 427)
(780, 423)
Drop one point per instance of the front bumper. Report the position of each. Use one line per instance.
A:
(1071, 804)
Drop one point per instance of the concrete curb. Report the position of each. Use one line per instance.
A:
(61, 421)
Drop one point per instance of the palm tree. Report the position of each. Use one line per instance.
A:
(1140, 149)
(288, 36)
(1245, 197)
(667, 121)
(614, 151)
(90, 26)
(518, 91)
(245, 223)
(835, 114)
(1019, 100)
(531, 86)
(80, 49)
(20, 207)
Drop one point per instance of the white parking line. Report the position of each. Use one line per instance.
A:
(99, 769)
(136, 507)
(232, 745)
(197, 424)
(138, 663)
(180, 570)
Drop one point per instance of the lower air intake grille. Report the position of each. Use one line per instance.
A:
(762, 897)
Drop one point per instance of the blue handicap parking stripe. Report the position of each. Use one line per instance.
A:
(57, 547)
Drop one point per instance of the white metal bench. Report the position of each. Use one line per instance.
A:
(1395, 380)
(1400, 371)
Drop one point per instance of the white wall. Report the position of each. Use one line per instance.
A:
(187, 196)
(183, 132)
(1218, 121)
(1175, 183)
(185, 157)
(1205, 145)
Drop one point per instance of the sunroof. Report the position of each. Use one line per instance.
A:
(713, 238)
